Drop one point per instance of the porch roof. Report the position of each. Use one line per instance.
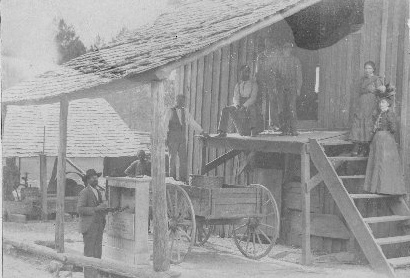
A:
(190, 27)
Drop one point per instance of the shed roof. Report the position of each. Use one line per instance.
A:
(186, 29)
(94, 130)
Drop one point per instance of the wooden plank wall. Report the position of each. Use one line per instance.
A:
(208, 85)
(342, 64)
(209, 82)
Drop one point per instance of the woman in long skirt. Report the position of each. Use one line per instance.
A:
(384, 174)
(364, 107)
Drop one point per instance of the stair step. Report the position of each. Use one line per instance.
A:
(393, 240)
(390, 218)
(347, 158)
(371, 196)
(353, 177)
(399, 262)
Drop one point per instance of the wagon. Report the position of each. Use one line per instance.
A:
(193, 211)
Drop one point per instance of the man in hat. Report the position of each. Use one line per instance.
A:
(140, 167)
(177, 120)
(92, 213)
(244, 100)
(289, 82)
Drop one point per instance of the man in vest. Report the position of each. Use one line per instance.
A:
(244, 100)
(178, 117)
(92, 213)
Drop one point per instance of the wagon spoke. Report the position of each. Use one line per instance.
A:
(253, 243)
(264, 234)
(266, 225)
(267, 202)
(247, 241)
(258, 237)
(237, 228)
(185, 233)
(176, 203)
(170, 205)
(172, 242)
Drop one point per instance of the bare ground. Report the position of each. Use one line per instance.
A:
(218, 258)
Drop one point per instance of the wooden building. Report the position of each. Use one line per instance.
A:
(207, 42)
(208, 84)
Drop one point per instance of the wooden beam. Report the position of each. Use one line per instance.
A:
(43, 185)
(220, 160)
(244, 32)
(313, 182)
(109, 266)
(405, 107)
(160, 249)
(305, 177)
(61, 175)
(247, 143)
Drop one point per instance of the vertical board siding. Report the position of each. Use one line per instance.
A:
(224, 93)
(191, 143)
(215, 98)
(209, 84)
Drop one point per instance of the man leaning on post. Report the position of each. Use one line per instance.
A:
(92, 211)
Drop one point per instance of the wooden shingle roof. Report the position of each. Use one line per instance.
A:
(186, 29)
(94, 130)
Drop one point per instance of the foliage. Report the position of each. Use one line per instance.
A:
(68, 43)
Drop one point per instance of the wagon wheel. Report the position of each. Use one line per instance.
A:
(181, 223)
(203, 231)
(255, 235)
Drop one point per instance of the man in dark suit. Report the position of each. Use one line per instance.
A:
(92, 213)
(177, 120)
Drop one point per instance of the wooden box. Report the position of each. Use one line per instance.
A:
(126, 237)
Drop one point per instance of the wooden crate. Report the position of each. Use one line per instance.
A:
(224, 203)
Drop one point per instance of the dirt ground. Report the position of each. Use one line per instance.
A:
(218, 258)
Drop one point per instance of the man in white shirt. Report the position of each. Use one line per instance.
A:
(177, 119)
(244, 99)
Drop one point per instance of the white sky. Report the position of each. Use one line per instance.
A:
(28, 30)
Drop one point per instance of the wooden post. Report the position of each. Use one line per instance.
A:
(405, 107)
(3, 117)
(43, 186)
(203, 156)
(305, 177)
(61, 168)
(160, 252)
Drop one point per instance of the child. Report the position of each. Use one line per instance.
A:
(384, 174)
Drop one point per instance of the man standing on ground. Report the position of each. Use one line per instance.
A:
(244, 100)
(178, 117)
(92, 213)
(289, 82)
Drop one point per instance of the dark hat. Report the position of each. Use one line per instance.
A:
(141, 154)
(90, 173)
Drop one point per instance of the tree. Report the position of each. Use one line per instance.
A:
(68, 43)
(99, 42)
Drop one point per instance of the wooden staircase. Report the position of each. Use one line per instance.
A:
(358, 224)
